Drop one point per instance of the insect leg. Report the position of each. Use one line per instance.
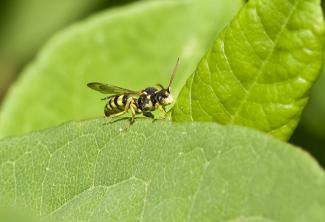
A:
(105, 98)
(148, 114)
(163, 110)
(117, 114)
(127, 105)
(133, 108)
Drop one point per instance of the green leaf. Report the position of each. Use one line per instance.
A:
(92, 171)
(133, 46)
(260, 69)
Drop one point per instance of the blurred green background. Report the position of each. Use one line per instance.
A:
(25, 25)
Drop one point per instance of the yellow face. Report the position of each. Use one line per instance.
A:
(167, 98)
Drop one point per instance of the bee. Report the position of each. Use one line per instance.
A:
(143, 102)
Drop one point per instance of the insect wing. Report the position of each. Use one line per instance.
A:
(109, 89)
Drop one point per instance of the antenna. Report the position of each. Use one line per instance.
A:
(173, 73)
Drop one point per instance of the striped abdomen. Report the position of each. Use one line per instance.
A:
(116, 104)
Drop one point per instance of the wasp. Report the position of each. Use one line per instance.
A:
(123, 100)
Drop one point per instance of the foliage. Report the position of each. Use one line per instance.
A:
(94, 171)
(259, 70)
(257, 74)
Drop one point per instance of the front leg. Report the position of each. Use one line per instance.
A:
(163, 110)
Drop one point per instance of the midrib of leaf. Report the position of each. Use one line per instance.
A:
(261, 71)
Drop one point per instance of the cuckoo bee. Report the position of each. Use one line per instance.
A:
(143, 102)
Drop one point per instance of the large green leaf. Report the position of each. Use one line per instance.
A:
(92, 171)
(260, 69)
(135, 46)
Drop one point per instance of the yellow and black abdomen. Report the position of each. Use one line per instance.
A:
(115, 105)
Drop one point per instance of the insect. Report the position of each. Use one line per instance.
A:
(122, 100)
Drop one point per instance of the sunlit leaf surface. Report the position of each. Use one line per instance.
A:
(260, 69)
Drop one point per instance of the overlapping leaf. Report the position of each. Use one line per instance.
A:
(260, 69)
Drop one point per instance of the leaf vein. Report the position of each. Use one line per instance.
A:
(265, 62)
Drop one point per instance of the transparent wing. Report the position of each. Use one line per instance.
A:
(109, 89)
